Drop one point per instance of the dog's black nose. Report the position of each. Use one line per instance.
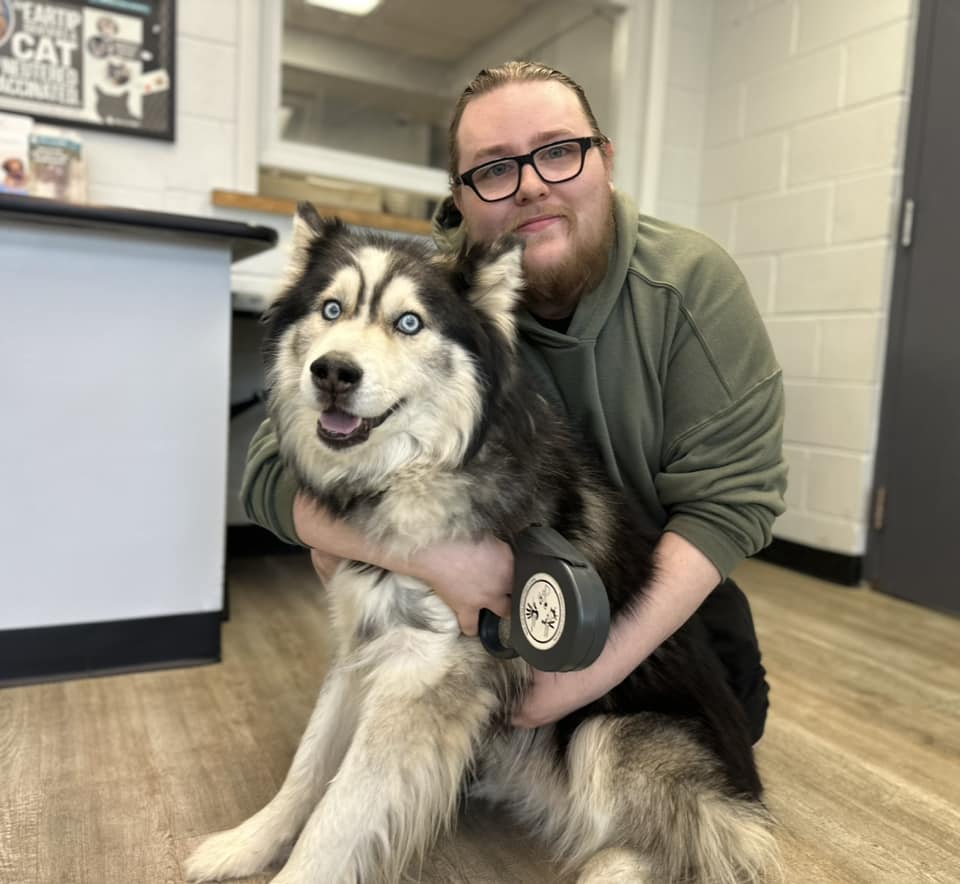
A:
(335, 373)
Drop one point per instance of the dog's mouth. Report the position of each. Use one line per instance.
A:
(341, 429)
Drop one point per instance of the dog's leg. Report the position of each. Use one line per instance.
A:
(268, 834)
(616, 865)
(399, 783)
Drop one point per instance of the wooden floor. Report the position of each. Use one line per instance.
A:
(113, 780)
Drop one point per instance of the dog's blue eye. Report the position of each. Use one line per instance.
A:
(409, 323)
(332, 310)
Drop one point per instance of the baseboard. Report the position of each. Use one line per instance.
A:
(86, 649)
(252, 540)
(835, 567)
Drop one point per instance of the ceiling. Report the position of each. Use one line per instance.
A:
(409, 106)
(405, 59)
(428, 30)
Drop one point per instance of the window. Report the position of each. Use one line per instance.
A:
(361, 103)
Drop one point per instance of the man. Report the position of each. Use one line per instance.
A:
(647, 335)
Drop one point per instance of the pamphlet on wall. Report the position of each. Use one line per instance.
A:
(57, 169)
(15, 153)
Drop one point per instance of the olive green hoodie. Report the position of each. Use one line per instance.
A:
(668, 369)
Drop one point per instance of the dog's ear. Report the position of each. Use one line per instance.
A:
(492, 278)
(309, 227)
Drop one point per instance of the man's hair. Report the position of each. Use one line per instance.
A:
(511, 72)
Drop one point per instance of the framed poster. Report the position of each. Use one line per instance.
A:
(98, 64)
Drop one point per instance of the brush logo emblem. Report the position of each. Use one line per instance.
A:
(543, 611)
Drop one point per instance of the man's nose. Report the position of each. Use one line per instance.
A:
(532, 186)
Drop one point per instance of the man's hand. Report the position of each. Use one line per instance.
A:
(468, 577)
(684, 578)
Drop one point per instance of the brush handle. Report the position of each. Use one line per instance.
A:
(560, 615)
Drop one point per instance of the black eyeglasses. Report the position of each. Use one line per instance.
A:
(555, 163)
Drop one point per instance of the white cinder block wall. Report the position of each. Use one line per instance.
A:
(803, 148)
(691, 32)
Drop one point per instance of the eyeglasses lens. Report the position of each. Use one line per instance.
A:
(554, 163)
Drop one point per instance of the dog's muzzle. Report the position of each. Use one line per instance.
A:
(336, 378)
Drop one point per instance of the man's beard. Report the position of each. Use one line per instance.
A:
(553, 292)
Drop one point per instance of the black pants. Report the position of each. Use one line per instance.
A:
(725, 614)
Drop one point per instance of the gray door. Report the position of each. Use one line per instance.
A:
(914, 549)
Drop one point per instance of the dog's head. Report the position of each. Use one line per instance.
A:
(381, 354)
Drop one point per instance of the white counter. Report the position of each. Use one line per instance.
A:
(114, 399)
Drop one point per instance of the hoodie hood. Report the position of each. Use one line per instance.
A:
(594, 307)
(447, 227)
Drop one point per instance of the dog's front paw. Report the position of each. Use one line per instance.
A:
(235, 853)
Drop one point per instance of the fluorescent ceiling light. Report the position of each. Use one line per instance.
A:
(352, 7)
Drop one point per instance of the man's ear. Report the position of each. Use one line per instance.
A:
(607, 150)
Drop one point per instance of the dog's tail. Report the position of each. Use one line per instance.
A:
(723, 840)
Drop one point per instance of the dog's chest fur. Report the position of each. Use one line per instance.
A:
(370, 606)
(420, 508)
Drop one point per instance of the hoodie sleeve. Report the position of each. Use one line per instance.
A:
(722, 475)
(268, 488)
(724, 479)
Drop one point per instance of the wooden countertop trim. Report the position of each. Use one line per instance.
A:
(230, 199)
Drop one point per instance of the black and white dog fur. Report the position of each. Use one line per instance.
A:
(401, 404)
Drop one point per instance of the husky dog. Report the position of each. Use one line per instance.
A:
(401, 403)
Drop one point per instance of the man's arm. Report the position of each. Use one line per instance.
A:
(268, 487)
(684, 578)
(467, 576)
(470, 576)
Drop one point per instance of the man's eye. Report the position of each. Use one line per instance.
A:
(409, 323)
(495, 170)
(331, 310)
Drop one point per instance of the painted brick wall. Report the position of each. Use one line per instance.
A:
(691, 29)
(803, 147)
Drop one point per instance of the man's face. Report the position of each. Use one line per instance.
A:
(566, 227)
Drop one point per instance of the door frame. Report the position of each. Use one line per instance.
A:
(887, 430)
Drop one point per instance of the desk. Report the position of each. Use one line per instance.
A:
(114, 409)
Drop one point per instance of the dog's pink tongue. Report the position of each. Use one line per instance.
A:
(336, 421)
